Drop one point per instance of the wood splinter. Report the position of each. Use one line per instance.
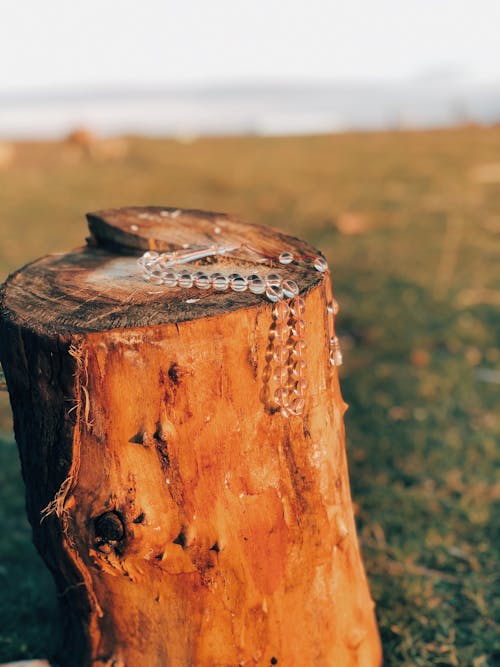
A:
(191, 509)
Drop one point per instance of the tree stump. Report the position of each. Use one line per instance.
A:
(186, 519)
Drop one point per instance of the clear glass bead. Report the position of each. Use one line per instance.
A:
(285, 258)
(298, 350)
(256, 284)
(149, 255)
(298, 368)
(273, 279)
(281, 330)
(298, 306)
(202, 281)
(238, 283)
(281, 354)
(219, 282)
(298, 329)
(151, 264)
(156, 277)
(336, 358)
(335, 352)
(332, 307)
(280, 374)
(290, 288)
(281, 310)
(281, 396)
(155, 280)
(170, 279)
(185, 280)
(300, 387)
(297, 405)
(274, 293)
(320, 264)
(164, 262)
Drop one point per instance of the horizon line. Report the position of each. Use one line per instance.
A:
(115, 91)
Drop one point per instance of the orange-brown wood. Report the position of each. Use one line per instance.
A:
(187, 522)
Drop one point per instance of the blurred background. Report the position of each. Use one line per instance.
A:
(373, 131)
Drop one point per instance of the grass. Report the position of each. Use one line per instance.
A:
(419, 291)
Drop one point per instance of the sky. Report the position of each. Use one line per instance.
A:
(59, 44)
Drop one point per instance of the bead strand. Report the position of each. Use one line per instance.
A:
(332, 308)
(289, 356)
(155, 270)
(281, 356)
(299, 363)
(288, 311)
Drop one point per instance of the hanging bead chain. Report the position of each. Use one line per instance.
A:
(288, 329)
(332, 308)
(289, 356)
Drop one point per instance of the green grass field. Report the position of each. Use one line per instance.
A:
(410, 223)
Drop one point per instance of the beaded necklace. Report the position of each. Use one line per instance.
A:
(287, 344)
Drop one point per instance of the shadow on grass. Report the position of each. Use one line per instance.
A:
(29, 622)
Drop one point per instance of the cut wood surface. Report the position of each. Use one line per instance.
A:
(186, 521)
(97, 289)
(167, 228)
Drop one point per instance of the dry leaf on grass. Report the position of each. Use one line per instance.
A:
(351, 224)
(486, 173)
(7, 153)
(420, 358)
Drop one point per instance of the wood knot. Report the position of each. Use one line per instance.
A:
(108, 527)
(175, 373)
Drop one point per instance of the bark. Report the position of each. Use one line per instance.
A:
(185, 520)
